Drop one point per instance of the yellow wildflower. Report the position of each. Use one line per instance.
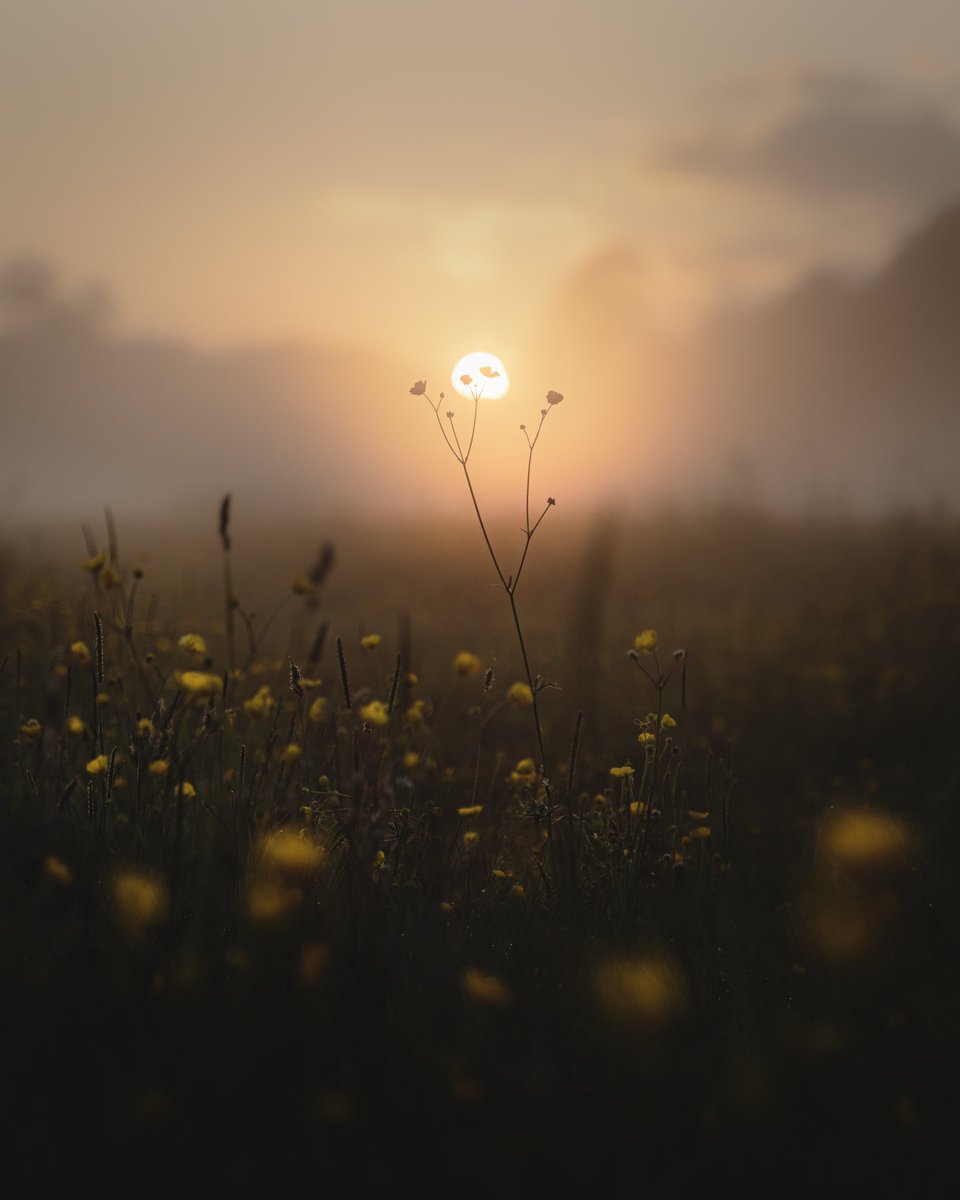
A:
(145, 726)
(74, 725)
(140, 900)
(270, 901)
(371, 641)
(471, 810)
(621, 772)
(520, 695)
(411, 678)
(701, 833)
(186, 790)
(97, 766)
(466, 663)
(310, 685)
(302, 586)
(290, 753)
(867, 842)
(159, 767)
(193, 643)
(485, 989)
(646, 739)
(261, 704)
(470, 838)
(95, 563)
(668, 722)
(318, 710)
(31, 730)
(410, 760)
(110, 577)
(102, 698)
(290, 853)
(647, 641)
(198, 684)
(639, 992)
(637, 807)
(416, 712)
(697, 816)
(56, 870)
(374, 713)
(81, 653)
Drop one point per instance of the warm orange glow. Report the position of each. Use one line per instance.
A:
(480, 373)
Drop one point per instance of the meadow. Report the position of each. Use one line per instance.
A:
(288, 895)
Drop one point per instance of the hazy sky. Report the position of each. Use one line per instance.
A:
(568, 185)
(433, 176)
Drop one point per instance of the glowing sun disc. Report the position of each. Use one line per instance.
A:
(487, 373)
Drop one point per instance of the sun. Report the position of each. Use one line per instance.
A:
(487, 374)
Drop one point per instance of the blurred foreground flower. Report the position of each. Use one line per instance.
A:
(640, 992)
(487, 990)
(140, 900)
(647, 641)
(520, 695)
(466, 663)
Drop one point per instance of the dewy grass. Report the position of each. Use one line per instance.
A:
(508, 582)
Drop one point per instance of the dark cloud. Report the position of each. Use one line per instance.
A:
(848, 137)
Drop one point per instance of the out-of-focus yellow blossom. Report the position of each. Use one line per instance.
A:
(867, 841)
(488, 990)
(471, 837)
(58, 871)
(520, 695)
(102, 698)
(110, 577)
(313, 961)
(318, 710)
(310, 685)
(374, 713)
(647, 641)
(411, 678)
(698, 816)
(198, 684)
(466, 663)
(97, 766)
(81, 653)
(471, 810)
(290, 853)
(446, 906)
(646, 739)
(192, 643)
(371, 641)
(261, 704)
(186, 790)
(621, 772)
(416, 713)
(411, 760)
(74, 725)
(302, 586)
(140, 900)
(640, 992)
(145, 726)
(95, 563)
(499, 873)
(668, 722)
(270, 902)
(159, 767)
(700, 833)
(524, 772)
(290, 753)
(517, 891)
(60, 670)
(637, 807)
(31, 729)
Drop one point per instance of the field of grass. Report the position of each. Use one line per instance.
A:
(286, 894)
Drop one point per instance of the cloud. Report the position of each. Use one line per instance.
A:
(844, 137)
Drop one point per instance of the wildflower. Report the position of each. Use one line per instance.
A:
(411, 760)
(261, 703)
(97, 766)
(74, 725)
(81, 653)
(140, 900)
(198, 684)
(159, 767)
(145, 726)
(867, 841)
(700, 833)
(484, 989)
(313, 961)
(302, 586)
(290, 753)
(371, 641)
(193, 643)
(411, 678)
(186, 790)
(518, 892)
(668, 722)
(639, 991)
(471, 810)
(637, 807)
(110, 577)
(291, 854)
(470, 838)
(489, 373)
(31, 729)
(374, 713)
(102, 698)
(520, 695)
(647, 641)
(310, 685)
(419, 388)
(646, 738)
(466, 663)
(56, 870)
(621, 772)
(697, 816)
(416, 712)
(96, 563)
(269, 902)
(318, 710)
(554, 397)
